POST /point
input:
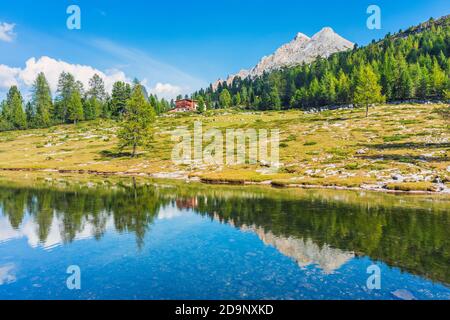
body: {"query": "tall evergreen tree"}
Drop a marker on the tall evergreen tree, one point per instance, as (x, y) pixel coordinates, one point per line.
(14, 112)
(41, 102)
(437, 80)
(121, 93)
(368, 89)
(405, 88)
(97, 88)
(5, 124)
(244, 96)
(422, 90)
(96, 99)
(92, 108)
(225, 99)
(136, 126)
(75, 107)
(66, 86)
(30, 115)
(275, 101)
(201, 105)
(237, 99)
(343, 88)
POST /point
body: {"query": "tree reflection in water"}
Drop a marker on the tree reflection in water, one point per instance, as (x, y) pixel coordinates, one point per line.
(311, 229)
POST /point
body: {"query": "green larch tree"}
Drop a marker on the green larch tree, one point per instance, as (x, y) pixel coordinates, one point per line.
(66, 86)
(14, 111)
(201, 105)
(135, 129)
(225, 99)
(41, 102)
(368, 89)
(75, 107)
(121, 93)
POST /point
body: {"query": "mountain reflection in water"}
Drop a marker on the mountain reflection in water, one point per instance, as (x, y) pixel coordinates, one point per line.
(311, 229)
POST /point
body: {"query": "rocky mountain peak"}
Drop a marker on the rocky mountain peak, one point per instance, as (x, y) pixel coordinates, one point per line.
(301, 49)
(300, 36)
(325, 32)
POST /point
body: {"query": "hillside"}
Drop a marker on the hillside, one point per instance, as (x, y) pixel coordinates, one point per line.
(399, 147)
(425, 26)
(410, 65)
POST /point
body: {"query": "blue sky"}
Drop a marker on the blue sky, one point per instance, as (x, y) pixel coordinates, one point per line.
(185, 44)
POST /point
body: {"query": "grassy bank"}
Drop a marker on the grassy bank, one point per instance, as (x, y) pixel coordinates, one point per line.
(66, 182)
(403, 147)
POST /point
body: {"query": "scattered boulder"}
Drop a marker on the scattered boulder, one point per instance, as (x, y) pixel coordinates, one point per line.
(264, 163)
(414, 178)
(397, 177)
(361, 151)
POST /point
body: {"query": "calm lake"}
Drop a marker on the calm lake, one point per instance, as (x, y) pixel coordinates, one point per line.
(153, 240)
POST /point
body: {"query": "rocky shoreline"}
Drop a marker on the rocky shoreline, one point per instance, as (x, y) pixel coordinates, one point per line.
(442, 190)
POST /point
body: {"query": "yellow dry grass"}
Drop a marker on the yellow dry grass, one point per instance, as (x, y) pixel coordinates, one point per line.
(340, 147)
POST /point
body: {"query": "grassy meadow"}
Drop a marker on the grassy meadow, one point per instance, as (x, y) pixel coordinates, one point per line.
(398, 147)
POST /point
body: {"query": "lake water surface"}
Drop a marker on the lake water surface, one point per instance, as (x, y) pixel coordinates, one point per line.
(171, 241)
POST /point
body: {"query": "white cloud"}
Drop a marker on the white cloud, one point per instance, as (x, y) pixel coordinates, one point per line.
(166, 90)
(167, 80)
(52, 69)
(7, 31)
(8, 76)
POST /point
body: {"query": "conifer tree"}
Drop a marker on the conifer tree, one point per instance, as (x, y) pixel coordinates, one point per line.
(437, 80)
(97, 88)
(275, 101)
(225, 99)
(423, 83)
(30, 115)
(92, 108)
(136, 126)
(342, 88)
(244, 96)
(66, 86)
(121, 92)
(75, 107)
(41, 102)
(368, 89)
(13, 110)
(201, 105)
(237, 99)
(95, 104)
